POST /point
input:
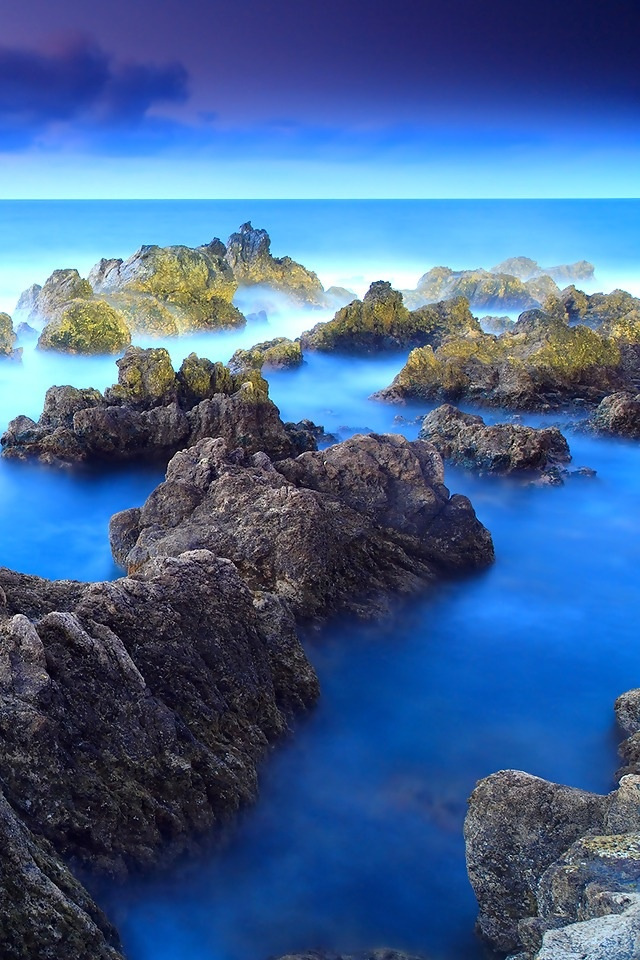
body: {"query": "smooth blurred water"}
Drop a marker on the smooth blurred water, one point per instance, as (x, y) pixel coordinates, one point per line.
(356, 840)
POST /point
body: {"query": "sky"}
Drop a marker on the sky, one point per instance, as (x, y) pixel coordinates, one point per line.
(340, 98)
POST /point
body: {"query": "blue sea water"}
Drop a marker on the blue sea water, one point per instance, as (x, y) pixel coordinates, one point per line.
(356, 839)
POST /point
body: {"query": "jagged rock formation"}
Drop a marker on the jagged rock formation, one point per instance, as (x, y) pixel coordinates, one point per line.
(152, 412)
(542, 364)
(613, 310)
(382, 322)
(526, 269)
(86, 326)
(278, 354)
(556, 869)
(501, 448)
(248, 254)
(483, 289)
(340, 528)
(8, 338)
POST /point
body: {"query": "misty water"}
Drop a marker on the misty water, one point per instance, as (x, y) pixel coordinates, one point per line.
(356, 840)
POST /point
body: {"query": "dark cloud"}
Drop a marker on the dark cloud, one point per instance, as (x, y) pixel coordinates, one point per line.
(82, 85)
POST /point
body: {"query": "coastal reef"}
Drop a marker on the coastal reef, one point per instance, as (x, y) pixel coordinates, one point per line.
(152, 412)
(381, 321)
(502, 448)
(134, 713)
(543, 363)
(513, 285)
(278, 354)
(556, 870)
(165, 291)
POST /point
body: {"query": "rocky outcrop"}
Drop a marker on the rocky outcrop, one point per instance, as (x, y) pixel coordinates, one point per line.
(278, 354)
(484, 289)
(86, 326)
(526, 269)
(598, 309)
(618, 414)
(496, 325)
(152, 412)
(248, 254)
(8, 338)
(60, 289)
(165, 290)
(502, 448)
(557, 869)
(45, 914)
(329, 530)
(542, 364)
(382, 322)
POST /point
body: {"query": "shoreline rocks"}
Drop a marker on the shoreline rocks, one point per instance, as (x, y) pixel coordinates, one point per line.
(502, 448)
(152, 412)
(542, 364)
(618, 415)
(381, 321)
(337, 529)
(556, 869)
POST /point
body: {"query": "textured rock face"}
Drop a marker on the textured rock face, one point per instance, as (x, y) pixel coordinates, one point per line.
(501, 448)
(86, 326)
(193, 285)
(599, 308)
(542, 364)
(516, 827)
(60, 289)
(249, 257)
(337, 529)
(618, 414)
(152, 412)
(7, 337)
(381, 321)
(45, 914)
(555, 869)
(278, 354)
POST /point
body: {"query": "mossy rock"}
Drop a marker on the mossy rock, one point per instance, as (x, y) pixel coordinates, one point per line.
(145, 314)
(89, 327)
(145, 377)
(7, 335)
(278, 354)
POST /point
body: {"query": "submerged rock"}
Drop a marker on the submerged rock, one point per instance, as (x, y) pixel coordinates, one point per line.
(151, 413)
(500, 448)
(336, 529)
(249, 257)
(278, 354)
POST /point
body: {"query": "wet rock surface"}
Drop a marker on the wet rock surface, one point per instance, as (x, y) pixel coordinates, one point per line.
(8, 338)
(336, 529)
(618, 414)
(151, 413)
(502, 448)
(556, 870)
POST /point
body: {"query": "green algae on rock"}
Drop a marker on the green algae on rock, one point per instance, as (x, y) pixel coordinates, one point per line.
(541, 364)
(278, 354)
(86, 326)
(381, 321)
(7, 336)
(248, 254)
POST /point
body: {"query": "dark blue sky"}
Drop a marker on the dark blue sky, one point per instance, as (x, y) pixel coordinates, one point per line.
(285, 97)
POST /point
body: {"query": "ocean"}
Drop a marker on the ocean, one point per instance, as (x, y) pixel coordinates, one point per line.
(356, 840)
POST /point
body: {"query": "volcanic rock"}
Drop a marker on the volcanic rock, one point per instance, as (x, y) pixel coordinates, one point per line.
(500, 448)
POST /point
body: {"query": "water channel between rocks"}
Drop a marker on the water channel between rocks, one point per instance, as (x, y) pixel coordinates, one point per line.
(356, 840)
